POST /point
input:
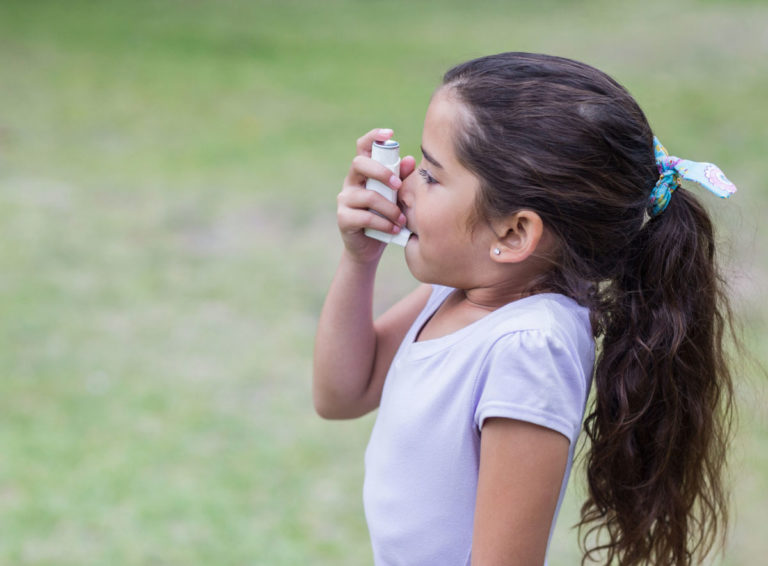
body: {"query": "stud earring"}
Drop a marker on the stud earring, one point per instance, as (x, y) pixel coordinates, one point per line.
(497, 251)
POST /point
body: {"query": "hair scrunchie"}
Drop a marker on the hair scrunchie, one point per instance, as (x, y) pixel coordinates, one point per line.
(673, 170)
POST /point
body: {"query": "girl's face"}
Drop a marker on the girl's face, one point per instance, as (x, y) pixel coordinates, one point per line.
(438, 199)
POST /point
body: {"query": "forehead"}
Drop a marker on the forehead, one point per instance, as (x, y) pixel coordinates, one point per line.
(441, 125)
(443, 109)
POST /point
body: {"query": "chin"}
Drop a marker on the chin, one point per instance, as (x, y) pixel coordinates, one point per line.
(422, 275)
(415, 266)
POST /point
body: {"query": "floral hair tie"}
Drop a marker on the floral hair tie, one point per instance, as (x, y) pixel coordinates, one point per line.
(673, 170)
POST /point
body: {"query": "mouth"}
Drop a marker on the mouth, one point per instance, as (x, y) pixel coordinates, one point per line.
(402, 238)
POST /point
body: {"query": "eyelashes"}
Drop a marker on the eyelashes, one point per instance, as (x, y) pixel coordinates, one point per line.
(429, 179)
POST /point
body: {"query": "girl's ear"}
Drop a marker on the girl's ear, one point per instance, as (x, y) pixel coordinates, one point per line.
(518, 236)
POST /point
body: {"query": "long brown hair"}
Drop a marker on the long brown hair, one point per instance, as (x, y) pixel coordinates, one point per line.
(563, 139)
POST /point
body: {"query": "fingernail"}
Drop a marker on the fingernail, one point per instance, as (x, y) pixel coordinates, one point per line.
(395, 182)
(402, 220)
(395, 229)
(385, 131)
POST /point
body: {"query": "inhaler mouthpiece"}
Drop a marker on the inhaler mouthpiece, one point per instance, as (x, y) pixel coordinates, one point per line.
(388, 154)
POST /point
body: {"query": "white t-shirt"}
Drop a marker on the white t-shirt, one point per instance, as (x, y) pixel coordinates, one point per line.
(530, 360)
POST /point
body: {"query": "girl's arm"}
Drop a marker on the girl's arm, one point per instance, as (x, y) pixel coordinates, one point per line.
(521, 470)
(352, 353)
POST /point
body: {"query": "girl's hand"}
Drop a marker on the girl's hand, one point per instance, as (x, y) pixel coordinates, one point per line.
(353, 214)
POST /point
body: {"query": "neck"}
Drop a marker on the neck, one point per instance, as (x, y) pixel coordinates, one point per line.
(490, 299)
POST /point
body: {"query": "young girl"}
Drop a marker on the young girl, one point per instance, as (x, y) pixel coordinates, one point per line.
(544, 217)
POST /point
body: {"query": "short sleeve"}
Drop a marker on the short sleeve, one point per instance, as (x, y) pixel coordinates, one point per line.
(531, 376)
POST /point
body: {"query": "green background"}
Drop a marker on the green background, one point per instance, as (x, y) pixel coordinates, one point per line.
(168, 173)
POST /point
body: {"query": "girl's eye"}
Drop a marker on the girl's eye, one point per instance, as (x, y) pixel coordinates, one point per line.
(429, 179)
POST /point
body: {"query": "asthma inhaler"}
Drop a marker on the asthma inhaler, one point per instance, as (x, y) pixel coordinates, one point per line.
(388, 154)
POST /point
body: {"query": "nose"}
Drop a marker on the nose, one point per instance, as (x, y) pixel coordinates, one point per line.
(405, 192)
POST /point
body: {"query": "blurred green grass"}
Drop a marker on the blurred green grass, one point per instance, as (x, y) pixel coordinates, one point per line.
(167, 180)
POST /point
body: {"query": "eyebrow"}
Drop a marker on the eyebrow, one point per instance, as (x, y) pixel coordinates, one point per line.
(429, 158)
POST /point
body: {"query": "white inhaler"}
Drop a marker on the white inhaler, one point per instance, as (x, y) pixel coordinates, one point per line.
(388, 154)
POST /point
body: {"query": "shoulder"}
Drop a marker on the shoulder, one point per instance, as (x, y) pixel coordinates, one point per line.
(552, 317)
(538, 364)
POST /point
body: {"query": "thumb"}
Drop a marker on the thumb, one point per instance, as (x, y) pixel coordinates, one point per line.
(407, 165)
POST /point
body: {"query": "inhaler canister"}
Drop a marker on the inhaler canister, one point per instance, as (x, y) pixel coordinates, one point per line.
(388, 154)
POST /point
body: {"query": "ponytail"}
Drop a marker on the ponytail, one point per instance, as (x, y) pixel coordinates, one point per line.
(661, 419)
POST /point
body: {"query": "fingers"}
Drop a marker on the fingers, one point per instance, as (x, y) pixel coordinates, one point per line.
(366, 168)
(368, 209)
(359, 208)
(353, 220)
(365, 142)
